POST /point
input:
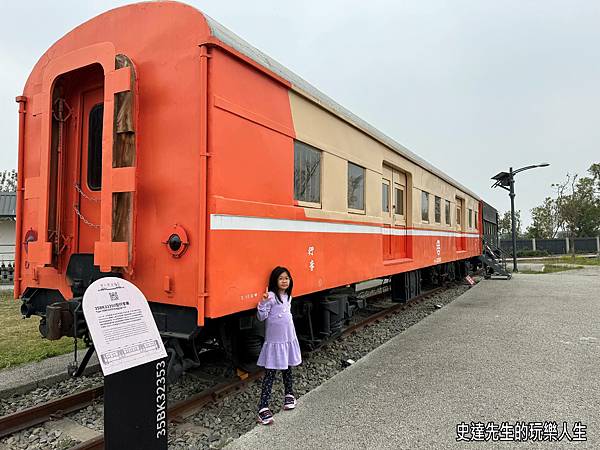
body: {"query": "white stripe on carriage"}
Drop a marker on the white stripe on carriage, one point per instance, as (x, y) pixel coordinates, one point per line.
(248, 223)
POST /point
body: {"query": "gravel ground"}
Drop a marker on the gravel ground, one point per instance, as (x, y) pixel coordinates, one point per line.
(46, 393)
(222, 422)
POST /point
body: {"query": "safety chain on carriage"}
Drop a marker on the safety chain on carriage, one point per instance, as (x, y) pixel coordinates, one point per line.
(78, 212)
(81, 216)
(78, 189)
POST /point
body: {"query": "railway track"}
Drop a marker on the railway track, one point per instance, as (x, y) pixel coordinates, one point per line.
(177, 412)
(55, 409)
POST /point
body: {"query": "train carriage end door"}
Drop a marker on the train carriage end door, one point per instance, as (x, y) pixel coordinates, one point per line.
(89, 184)
(54, 187)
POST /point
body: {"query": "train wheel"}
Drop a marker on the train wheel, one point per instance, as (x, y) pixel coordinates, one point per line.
(242, 346)
(451, 272)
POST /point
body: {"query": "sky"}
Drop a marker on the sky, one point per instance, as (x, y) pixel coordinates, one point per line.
(472, 86)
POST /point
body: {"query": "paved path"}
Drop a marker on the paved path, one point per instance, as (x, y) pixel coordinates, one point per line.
(527, 349)
(25, 377)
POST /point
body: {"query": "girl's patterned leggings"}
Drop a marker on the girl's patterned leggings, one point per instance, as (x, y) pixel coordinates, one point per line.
(267, 385)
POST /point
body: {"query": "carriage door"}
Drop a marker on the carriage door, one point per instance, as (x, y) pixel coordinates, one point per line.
(460, 224)
(386, 212)
(399, 209)
(89, 185)
(86, 110)
(393, 197)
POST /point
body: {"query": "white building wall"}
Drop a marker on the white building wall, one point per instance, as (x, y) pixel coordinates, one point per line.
(7, 240)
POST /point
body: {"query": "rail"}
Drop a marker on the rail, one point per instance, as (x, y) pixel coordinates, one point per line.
(11, 423)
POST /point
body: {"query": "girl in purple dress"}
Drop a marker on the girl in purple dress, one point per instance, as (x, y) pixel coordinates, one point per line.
(280, 350)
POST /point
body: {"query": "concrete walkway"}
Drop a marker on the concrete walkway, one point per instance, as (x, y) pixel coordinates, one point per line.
(25, 377)
(527, 350)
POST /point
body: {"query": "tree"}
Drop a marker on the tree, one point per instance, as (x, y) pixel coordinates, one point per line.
(547, 220)
(505, 225)
(8, 180)
(594, 171)
(580, 208)
(578, 200)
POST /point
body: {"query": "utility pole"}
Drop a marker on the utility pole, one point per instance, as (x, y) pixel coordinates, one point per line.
(513, 218)
(506, 181)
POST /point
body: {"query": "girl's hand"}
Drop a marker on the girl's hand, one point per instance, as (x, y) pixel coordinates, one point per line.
(265, 296)
(264, 308)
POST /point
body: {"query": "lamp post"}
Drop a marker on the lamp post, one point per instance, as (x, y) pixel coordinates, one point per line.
(506, 180)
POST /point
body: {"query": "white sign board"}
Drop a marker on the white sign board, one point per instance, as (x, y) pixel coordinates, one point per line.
(121, 325)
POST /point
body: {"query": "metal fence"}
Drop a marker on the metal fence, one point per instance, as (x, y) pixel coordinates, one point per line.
(560, 246)
(7, 273)
(552, 246)
(522, 244)
(7, 263)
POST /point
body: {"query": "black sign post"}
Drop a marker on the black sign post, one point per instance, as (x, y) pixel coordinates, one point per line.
(134, 363)
(135, 408)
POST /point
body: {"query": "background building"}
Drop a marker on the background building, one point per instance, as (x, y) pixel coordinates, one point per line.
(8, 201)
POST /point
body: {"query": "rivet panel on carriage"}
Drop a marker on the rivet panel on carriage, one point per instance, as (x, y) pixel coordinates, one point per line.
(157, 146)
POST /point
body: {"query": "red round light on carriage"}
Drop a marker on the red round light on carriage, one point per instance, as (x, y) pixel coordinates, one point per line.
(176, 240)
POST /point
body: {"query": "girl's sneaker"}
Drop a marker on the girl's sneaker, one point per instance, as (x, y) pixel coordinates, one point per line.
(289, 402)
(265, 416)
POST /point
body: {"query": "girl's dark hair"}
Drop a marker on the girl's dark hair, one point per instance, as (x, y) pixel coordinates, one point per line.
(273, 282)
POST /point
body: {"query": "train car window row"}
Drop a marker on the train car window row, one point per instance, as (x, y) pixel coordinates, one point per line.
(307, 173)
(356, 187)
(307, 188)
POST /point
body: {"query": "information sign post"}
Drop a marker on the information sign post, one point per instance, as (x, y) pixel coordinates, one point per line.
(134, 362)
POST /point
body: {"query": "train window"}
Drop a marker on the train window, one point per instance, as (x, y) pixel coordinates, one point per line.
(438, 209)
(356, 187)
(399, 201)
(385, 196)
(470, 218)
(447, 212)
(458, 215)
(307, 173)
(94, 162)
(476, 219)
(424, 206)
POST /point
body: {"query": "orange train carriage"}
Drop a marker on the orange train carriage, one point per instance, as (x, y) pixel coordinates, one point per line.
(157, 146)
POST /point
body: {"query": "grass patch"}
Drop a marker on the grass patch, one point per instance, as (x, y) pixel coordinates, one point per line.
(580, 260)
(551, 268)
(20, 339)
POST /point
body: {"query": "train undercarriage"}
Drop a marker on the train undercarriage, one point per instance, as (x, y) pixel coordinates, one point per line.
(318, 316)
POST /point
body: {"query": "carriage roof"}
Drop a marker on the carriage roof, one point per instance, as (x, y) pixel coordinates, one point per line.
(303, 87)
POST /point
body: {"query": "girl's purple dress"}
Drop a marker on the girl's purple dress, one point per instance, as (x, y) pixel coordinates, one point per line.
(281, 348)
